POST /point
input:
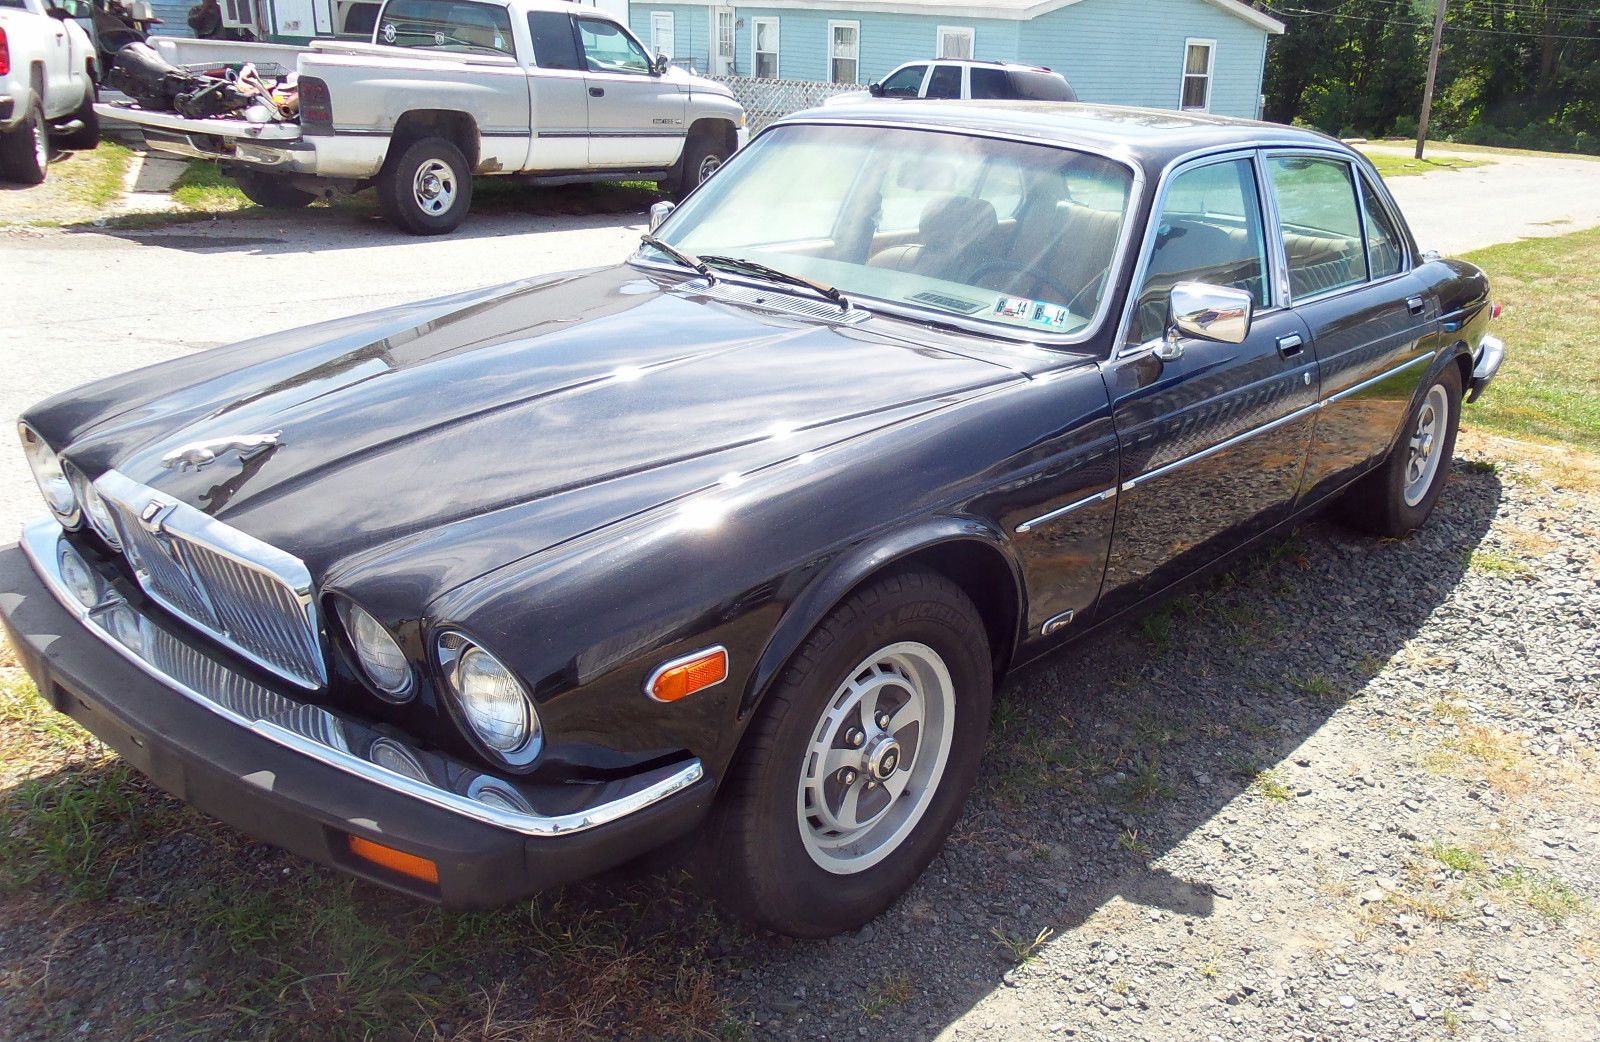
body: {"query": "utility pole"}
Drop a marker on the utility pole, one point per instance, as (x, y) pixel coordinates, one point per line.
(1433, 73)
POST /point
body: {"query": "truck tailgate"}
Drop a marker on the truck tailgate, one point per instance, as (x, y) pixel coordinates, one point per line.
(224, 128)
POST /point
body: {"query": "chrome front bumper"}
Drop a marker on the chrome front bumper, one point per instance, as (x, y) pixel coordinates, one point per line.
(349, 745)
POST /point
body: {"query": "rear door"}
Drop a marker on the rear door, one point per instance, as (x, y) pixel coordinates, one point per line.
(945, 81)
(636, 118)
(1214, 443)
(1370, 319)
(558, 94)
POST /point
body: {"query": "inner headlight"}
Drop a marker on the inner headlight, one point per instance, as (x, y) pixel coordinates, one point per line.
(379, 653)
(80, 579)
(94, 508)
(52, 479)
(496, 708)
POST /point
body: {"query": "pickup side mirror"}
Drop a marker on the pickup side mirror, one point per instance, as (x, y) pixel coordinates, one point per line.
(875, 89)
(1206, 312)
(660, 65)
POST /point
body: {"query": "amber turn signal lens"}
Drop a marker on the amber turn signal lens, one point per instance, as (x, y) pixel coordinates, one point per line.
(682, 677)
(395, 860)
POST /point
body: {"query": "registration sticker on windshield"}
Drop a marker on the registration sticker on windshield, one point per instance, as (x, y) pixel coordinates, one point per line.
(1039, 312)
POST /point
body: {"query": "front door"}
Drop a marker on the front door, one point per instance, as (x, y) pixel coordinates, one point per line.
(636, 118)
(1371, 319)
(558, 94)
(722, 41)
(1213, 443)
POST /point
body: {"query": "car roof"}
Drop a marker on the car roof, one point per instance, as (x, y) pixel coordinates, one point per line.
(1153, 138)
(993, 63)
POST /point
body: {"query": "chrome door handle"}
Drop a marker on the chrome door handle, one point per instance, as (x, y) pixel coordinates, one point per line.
(1414, 305)
(1291, 345)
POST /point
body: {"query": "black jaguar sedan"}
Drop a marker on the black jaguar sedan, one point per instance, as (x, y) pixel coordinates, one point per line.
(736, 538)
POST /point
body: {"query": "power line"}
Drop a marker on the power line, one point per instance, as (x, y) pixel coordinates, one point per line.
(1291, 12)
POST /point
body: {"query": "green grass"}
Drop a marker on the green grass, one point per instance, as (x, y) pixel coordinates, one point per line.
(80, 187)
(1546, 895)
(204, 188)
(1439, 145)
(1549, 387)
(1269, 786)
(1455, 858)
(1493, 562)
(1390, 165)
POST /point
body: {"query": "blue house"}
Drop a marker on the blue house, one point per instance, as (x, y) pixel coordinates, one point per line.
(1194, 54)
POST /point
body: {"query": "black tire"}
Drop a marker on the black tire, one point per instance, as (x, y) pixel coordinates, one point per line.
(272, 191)
(87, 136)
(1377, 502)
(398, 192)
(753, 857)
(701, 158)
(25, 149)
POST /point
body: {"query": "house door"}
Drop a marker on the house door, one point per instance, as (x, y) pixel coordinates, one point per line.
(722, 41)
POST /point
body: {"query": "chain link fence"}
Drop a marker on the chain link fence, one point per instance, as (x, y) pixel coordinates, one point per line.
(768, 100)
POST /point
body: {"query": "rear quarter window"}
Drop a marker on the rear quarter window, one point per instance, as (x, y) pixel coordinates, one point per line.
(1031, 85)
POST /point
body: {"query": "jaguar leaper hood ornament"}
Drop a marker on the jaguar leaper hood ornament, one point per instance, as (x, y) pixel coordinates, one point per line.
(199, 454)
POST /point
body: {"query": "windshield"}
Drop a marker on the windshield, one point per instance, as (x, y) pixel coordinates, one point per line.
(1014, 234)
(447, 25)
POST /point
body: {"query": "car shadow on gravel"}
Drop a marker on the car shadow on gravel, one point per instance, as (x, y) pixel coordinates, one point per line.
(124, 910)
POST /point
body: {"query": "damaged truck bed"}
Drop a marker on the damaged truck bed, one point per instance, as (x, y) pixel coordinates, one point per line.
(447, 89)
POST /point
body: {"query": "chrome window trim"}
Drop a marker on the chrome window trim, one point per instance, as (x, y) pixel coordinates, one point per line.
(1181, 165)
(999, 332)
(39, 542)
(1354, 167)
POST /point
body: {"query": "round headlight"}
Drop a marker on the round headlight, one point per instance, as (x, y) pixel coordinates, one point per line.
(495, 706)
(52, 479)
(378, 652)
(94, 508)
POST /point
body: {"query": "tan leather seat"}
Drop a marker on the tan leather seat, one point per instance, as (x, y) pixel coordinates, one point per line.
(1322, 262)
(957, 235)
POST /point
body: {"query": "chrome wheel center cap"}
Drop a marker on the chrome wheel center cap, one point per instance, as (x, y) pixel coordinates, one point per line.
(430, 186)
(882, 757)
(1427, 446)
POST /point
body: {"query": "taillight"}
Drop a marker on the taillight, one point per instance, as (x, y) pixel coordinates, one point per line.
(1495, 310)
(316, 106)
(5, 55)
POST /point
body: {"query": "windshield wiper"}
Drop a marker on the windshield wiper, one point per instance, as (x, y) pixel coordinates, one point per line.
(688, 260)
(766, 271)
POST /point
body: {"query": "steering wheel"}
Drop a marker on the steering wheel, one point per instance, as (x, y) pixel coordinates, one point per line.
(1062, 292)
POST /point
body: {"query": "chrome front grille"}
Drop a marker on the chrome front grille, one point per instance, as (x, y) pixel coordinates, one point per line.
(247, 594)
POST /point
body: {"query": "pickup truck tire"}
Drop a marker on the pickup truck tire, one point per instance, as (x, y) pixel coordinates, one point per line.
(905, 659)
(87, 134)
(25, 149)
(275, 193)
(701, 157)
(427, 189)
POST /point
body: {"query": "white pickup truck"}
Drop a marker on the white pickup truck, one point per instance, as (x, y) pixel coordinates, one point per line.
(47, 74)
(546, 89)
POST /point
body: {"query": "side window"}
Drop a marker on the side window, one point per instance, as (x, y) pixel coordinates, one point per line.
(606, 48)
(945, 82)
(989, 83)
(1321, 225)
(1385, 255)
(554, 45)
(1209, 231)
(905, 83)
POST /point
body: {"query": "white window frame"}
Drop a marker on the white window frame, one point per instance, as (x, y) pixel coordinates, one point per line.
(955, 30)
(723, 64)
(776, 52)
(832, 57)
(658, 19)
(1184, 75)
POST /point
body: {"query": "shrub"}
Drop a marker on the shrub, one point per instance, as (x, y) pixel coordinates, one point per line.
(1404, 126)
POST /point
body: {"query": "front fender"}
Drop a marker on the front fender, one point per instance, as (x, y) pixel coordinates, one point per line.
(849, 570)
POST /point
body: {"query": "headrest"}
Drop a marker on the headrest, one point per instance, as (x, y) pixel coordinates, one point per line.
(958, 219)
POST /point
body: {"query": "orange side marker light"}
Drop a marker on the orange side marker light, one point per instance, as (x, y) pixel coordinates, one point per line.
(395, 860)
(682, 677)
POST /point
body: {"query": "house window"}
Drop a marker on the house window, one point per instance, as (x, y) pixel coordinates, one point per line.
(955, 41)
(844, 51)
(661, 33)
(1199, 59)
(765, 32)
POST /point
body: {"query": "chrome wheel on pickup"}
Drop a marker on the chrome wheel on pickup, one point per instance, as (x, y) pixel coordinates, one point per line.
(427, 188)
(858, 761)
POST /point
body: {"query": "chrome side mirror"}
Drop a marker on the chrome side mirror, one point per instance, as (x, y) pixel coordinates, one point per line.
(660, 212)
(1205, 312)
(660, 64)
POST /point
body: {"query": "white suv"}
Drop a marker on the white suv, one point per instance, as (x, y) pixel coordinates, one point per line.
(950, 78)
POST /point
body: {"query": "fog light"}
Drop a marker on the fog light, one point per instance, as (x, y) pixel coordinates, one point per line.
(379, 653)
(497, 709)
(53, 483)
(126, 625)
(81, 580)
